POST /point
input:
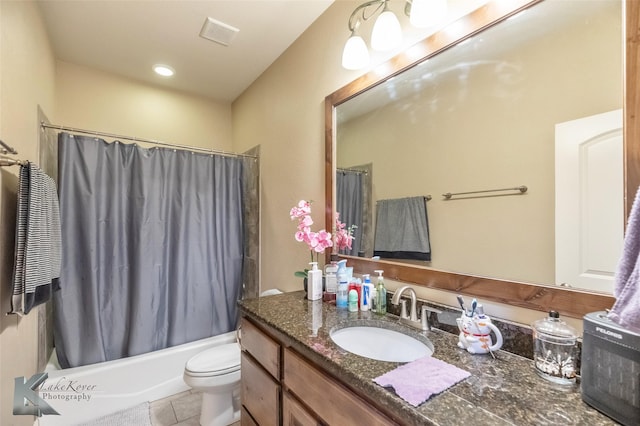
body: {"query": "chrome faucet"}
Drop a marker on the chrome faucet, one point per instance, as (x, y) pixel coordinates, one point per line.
(412, 318)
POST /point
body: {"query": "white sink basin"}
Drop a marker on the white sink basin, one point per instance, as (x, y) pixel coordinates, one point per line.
(381, 344)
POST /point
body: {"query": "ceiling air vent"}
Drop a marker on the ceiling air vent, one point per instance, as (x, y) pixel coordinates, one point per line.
(218, 31)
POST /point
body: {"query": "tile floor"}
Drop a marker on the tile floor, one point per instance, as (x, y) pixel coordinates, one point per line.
(182, 409)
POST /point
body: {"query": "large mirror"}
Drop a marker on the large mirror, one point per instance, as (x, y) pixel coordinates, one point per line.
(483, 110)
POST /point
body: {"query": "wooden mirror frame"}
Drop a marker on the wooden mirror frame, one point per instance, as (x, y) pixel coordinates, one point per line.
(570, 302)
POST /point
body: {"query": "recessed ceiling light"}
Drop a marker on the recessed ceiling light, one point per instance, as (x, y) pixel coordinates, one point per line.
(163, 70)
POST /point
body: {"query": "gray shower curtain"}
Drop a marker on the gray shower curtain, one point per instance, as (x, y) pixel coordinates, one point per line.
(349, 203)
(152, 248)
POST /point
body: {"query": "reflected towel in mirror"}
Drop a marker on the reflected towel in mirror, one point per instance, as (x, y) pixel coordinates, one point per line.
(402, 229)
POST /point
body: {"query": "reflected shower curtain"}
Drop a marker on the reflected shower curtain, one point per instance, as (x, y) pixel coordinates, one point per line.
(152, 248)
(349, 203)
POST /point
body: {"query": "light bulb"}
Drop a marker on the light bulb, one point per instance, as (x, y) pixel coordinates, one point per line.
(426, 13)
(355, 54)
(387, 32)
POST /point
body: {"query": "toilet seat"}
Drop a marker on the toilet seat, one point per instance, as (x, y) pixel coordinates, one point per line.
(217, 361)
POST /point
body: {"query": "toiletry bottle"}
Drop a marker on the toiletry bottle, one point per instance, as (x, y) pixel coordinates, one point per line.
(381, 295)
(343, 285)
(315, 282)
(365, 297)
(331, 278)
(353, 301)
(355, 284)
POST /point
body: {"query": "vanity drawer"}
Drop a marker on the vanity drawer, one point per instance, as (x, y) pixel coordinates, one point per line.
(294, 414)
(246, 419)
(264, 349)
(260, 393)
(332, 402)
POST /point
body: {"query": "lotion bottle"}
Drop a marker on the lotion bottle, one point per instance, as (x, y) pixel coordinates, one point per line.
(343, 285)
(365, 296)
(315, 282)
(381, 295)
(330, 272)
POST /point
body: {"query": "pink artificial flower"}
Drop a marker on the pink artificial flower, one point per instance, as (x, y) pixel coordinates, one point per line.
(316, 241)
(305, 222)
(302, 209)
(324, 241)
(344, 237)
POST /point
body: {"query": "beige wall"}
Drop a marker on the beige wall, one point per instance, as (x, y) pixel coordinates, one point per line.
(283, 110)
(80, 97)
(94, 100)
(471, 128)
(27, 70)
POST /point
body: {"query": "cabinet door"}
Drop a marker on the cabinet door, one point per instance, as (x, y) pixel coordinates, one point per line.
(260, 392)
(246, 419)
(294, 414)
(261, 347)
(331, 401)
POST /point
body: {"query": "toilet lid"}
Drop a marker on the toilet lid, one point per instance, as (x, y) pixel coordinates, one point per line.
(222, 359)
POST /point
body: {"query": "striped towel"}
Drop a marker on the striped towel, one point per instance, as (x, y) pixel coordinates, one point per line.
(38, 243)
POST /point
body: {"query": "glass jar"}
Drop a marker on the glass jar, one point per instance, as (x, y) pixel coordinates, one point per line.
(555, 349)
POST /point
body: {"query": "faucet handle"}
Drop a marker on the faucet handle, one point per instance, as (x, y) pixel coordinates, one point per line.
(424, 316)
(403, 309)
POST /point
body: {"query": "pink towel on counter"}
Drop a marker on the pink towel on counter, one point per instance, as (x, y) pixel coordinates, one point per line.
(626, 310)
(417, 381)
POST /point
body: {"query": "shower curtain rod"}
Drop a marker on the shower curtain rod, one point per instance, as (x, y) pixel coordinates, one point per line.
(360, 171)
(134, 139)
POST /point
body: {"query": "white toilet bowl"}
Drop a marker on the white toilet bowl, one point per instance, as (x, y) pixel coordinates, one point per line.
(216, 372)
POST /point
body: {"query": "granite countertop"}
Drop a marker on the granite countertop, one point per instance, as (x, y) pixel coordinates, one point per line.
(501, 391)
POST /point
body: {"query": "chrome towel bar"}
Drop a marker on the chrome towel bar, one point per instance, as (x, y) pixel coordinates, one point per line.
(520, 188)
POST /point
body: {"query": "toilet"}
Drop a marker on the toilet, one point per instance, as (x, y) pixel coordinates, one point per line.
(216, 372)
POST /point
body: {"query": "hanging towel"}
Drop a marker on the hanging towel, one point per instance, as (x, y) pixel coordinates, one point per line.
(626, 310)
(402, 229)
(38, 243)
(418, 380)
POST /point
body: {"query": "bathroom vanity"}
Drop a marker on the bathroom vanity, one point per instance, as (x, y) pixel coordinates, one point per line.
(294, 374)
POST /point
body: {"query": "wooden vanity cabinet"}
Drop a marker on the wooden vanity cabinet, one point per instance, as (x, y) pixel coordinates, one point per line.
(282, 387)
(333, 402)
(260, 377)
(294, 414)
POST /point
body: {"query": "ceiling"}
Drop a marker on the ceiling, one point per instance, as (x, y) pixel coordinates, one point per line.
(127, 37)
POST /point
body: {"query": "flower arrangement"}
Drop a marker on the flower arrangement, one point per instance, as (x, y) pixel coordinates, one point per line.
(344, 235)
(317, 242)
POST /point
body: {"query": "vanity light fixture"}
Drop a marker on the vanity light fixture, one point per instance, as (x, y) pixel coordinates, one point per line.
(163, 70)
(387, 32)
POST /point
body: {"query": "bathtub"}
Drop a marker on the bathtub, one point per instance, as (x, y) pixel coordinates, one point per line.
(84, 393)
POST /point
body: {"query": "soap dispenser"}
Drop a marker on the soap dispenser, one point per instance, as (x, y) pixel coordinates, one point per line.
(555, 349)
(315, 282)
(381, 294)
